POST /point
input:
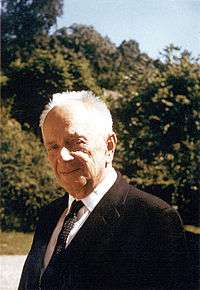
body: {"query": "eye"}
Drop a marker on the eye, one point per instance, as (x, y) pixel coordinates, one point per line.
(79, 141)
(78, 145)
(74, 143)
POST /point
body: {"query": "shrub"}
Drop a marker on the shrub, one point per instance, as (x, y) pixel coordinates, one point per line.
(159, 127)
(26, 180)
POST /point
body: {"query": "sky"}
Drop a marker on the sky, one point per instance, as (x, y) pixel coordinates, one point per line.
(154, 24)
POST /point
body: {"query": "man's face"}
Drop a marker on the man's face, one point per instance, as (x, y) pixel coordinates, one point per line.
(64, 129)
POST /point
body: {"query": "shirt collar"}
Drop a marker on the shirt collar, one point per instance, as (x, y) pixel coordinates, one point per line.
(91, 200)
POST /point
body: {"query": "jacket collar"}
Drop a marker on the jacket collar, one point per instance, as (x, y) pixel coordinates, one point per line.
(101, 220)
(92, 199)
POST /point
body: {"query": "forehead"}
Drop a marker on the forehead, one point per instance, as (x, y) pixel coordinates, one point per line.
(76, 119)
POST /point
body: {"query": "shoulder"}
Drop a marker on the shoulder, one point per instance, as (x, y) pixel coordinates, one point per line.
(56, 203)
(147, 207)
(48, 217)
(54, 208)
(144, 199)
(132, 196)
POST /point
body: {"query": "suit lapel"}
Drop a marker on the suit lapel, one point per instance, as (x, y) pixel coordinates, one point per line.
(100, 221)
(97, 227)
(50, 222)
(43, 233)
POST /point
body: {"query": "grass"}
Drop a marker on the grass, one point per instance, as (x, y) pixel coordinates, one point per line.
(192, 229)
(13, 243)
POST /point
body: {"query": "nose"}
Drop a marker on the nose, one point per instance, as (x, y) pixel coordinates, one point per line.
(65, 154)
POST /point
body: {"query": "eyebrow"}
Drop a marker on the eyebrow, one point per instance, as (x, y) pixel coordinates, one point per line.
(50, 143)
(72, 136)
(75, 137)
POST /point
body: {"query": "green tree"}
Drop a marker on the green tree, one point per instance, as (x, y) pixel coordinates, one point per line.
(31, 83)
(100, 51)
(46, 72)
(24, 23)
(132, 66)
(159, 127)
(27, 183)
(81, 73)
(130, 54)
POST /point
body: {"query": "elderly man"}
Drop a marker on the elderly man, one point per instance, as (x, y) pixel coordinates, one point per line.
(104, 233)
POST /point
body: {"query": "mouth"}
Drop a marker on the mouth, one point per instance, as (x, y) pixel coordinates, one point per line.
(68, 172)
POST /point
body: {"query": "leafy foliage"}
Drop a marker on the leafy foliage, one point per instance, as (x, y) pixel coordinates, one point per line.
(155, 104)
(159, 125)
(109, 63)
(98, 50)
(45, 73)
(26, 180)
(23, 23)
(32, 82)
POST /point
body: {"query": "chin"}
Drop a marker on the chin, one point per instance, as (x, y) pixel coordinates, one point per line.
(78, 189)
(78, 194)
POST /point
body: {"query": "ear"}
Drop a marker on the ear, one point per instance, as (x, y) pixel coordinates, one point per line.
(111, 144)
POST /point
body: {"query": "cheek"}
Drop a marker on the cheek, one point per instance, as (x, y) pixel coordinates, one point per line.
(97, 161)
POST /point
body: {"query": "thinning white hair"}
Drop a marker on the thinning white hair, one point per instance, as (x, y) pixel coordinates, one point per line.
(100, 114)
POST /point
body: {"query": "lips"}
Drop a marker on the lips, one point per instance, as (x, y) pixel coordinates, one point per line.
(68, 172)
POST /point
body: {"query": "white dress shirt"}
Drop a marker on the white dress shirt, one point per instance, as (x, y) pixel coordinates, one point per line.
(90, 202)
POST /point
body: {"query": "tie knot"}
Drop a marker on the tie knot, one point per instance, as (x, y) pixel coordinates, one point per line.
(75, 206)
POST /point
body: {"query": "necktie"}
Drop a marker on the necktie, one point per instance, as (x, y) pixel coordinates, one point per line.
(57, 261)
(68, 224)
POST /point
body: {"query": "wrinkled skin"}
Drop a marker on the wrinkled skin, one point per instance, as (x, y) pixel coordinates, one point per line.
(91, 153)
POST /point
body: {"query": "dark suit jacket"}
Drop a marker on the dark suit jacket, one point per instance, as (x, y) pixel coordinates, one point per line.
(132, 240)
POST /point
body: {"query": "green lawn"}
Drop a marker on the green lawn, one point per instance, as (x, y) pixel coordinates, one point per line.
(192, 229)
(13, 243)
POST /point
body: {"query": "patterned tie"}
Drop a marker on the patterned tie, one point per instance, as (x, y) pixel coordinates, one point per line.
(57, 262)
(68, 224)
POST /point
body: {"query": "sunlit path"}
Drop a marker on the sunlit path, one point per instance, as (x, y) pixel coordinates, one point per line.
(10, 271)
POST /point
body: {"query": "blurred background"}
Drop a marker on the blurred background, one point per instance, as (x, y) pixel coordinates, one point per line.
(143, 59)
